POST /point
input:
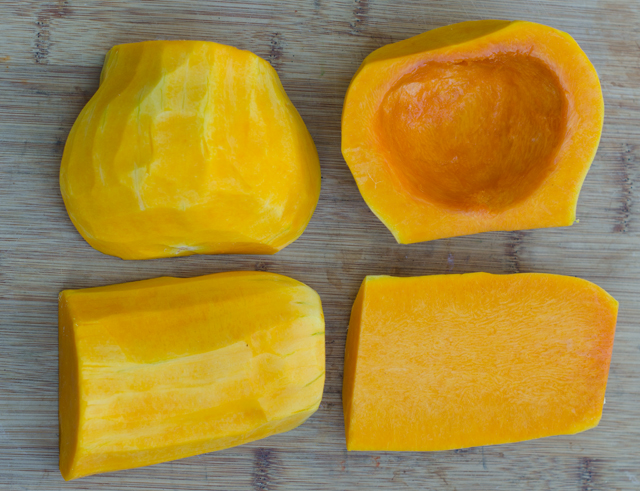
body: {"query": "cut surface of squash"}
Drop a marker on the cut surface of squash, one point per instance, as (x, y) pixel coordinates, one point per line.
(189, 147)
(453, 361)
(167, 368)
(478, 126)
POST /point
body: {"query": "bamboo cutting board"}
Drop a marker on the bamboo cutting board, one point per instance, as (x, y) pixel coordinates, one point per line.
(51, 54)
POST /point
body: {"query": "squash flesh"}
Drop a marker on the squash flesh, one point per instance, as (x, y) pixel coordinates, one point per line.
(455, 361)
(189, 147)
(475, 127)
(167, 368)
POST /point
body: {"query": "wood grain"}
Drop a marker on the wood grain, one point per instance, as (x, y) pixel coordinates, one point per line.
(51, 54)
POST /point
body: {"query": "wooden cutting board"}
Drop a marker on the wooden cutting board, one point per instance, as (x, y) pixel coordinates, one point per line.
(51, 54)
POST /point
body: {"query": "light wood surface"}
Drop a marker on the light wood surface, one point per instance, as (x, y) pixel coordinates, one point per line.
(50, 59)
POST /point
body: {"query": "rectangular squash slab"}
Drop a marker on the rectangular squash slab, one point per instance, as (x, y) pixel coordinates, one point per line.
(166, 368)
(454, 361)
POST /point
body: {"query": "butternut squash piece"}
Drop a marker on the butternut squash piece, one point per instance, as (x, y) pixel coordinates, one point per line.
(473, 127)
(162, 369)
(189, 147)
(454, 361)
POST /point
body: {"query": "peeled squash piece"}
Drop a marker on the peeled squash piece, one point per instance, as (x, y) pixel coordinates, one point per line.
(478, 126)
(453, 361)
(162, 369)
(189, 147)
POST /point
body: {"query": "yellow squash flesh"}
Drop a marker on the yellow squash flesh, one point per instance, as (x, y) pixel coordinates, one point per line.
(162, 369)
(189, 147)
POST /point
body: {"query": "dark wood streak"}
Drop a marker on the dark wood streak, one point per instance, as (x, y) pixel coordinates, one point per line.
(627, 160)
(262, 266)
(263, 460)
(513, 249)
(587, 474)
(276, 49)
(360, 12)
(45, 15)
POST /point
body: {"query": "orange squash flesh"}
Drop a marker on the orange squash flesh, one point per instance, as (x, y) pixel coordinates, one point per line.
(162, 369)
(454, 361)
(189, 147)
(474, 127)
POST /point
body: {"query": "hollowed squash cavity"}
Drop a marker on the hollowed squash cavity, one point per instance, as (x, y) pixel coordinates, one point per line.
(476, 133)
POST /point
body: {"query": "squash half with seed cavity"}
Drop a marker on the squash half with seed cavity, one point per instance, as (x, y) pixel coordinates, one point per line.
(166, 368)
(478, 126)
(189, 147)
